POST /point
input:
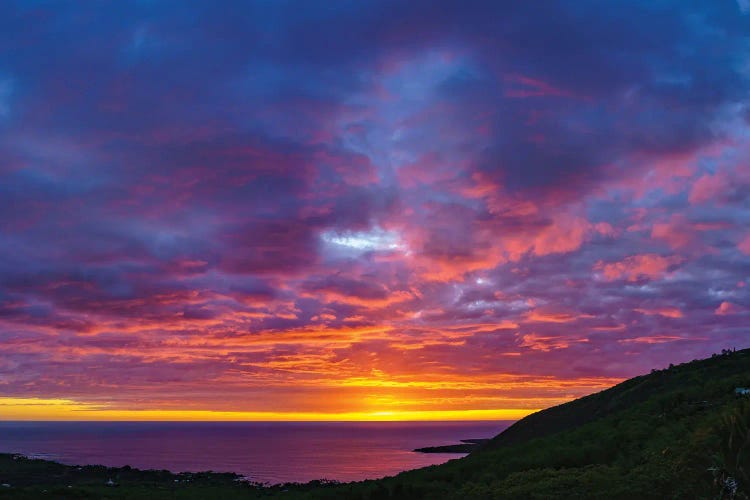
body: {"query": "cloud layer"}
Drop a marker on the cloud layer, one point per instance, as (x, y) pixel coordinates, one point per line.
(367, 207)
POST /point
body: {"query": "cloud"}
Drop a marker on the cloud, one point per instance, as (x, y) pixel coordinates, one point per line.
(369, 205)
(668, 312)
(744, 245)
(728, 308)
(636, 267)
(547, 343)
(708, 188)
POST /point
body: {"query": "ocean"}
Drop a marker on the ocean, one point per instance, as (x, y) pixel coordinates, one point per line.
(269, 452)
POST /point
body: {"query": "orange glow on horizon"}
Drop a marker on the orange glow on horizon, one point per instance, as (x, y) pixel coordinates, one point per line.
(31, 409)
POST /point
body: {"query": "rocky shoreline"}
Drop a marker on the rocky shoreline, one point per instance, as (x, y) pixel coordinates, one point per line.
(466, 446)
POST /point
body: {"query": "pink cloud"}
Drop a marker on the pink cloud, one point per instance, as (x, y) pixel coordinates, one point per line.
(676, 232)
(708, 188)
(727, 308)
(667, 312)
(635, 267)
(744, 245)
(565, 234)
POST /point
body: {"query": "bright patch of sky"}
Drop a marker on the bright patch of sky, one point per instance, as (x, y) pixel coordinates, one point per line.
(376, 239)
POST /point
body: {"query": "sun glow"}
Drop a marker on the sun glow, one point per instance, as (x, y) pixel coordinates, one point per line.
(68, 410)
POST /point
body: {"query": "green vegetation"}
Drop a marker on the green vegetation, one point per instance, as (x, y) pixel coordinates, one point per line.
(681, 432)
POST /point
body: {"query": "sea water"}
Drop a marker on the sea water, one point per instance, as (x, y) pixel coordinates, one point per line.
(270, 452)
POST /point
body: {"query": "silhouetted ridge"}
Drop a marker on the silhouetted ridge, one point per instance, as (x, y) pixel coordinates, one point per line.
(688, 379)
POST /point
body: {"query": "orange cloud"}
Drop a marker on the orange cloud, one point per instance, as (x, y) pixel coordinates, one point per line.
(541, 316)
(548, 343)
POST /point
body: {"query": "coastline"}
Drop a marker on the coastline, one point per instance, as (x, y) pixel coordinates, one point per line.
(34, 477)
(271, 453)
(466, 446)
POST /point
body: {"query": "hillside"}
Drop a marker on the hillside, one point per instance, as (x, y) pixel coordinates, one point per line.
(680, 432)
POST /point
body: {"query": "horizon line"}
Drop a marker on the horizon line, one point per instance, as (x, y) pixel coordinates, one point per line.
(2, 421)
(64, 410)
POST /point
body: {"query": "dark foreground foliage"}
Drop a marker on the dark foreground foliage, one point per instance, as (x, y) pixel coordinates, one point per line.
(681, 432)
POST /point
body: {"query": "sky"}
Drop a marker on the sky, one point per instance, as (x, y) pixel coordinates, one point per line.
(335, 210)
